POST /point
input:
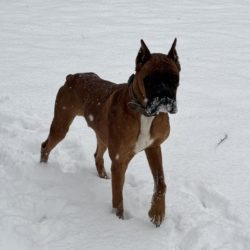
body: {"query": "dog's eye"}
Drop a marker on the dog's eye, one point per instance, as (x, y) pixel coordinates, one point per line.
(161, 80)
(153, 80)
(148, 80)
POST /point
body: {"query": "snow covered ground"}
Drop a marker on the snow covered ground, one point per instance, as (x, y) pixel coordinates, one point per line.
(64, 206)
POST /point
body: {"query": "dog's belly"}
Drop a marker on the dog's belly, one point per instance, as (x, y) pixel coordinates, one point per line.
(144, 139)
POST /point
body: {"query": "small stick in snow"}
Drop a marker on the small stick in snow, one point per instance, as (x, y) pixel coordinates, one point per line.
(222, 140)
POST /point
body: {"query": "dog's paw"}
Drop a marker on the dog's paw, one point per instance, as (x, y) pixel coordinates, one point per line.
(44, 158)
(156, 217)
(118, 212)
(44, 154)
(103, 175)
(157, 212)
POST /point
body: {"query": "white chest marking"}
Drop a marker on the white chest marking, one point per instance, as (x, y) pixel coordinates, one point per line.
(144, 138)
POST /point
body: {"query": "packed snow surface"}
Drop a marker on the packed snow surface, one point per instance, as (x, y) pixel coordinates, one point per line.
(64, 205)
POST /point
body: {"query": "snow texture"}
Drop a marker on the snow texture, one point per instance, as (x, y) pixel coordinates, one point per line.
(63, 205)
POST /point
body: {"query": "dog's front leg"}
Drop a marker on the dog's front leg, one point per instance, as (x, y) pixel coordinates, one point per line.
(157, 210)
(118, 169)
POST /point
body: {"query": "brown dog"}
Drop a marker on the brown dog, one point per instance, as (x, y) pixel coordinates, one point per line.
(127, 118)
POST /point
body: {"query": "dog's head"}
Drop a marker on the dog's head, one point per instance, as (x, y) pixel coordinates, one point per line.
(156, 80)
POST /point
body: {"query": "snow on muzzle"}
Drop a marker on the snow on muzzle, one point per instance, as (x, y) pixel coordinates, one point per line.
(164, 104)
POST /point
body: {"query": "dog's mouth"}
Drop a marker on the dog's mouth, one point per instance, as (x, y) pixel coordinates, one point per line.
(164, 105)
(155, 106)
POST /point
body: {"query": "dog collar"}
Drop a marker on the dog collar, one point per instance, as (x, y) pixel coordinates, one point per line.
(135, 104)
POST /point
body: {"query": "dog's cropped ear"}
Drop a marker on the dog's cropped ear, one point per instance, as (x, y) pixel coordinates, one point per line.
(142, 57)
(173, 54)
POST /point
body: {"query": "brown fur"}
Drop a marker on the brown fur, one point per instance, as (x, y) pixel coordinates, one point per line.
(105, 108)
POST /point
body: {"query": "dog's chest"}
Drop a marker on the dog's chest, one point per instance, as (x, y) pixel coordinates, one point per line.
(144, 139)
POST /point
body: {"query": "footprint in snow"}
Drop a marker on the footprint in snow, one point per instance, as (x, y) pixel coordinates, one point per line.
(212, 200)
(214, 226)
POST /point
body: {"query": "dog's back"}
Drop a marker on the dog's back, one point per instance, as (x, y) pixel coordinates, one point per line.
(89, 90)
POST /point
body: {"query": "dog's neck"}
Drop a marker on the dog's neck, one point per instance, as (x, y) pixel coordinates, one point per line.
(134, 103)
(132, 93)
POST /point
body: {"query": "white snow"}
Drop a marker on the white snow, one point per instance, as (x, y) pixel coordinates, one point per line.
(63, 205)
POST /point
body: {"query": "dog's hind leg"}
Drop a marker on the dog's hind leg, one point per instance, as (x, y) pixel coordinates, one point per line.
(58, 130)
(99, 162)
(64, 114)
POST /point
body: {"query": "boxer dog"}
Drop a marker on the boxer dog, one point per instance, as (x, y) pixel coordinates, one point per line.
(127, 118)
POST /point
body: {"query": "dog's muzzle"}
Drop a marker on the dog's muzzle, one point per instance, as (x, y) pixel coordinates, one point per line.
(164, 104)
(155, 106)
